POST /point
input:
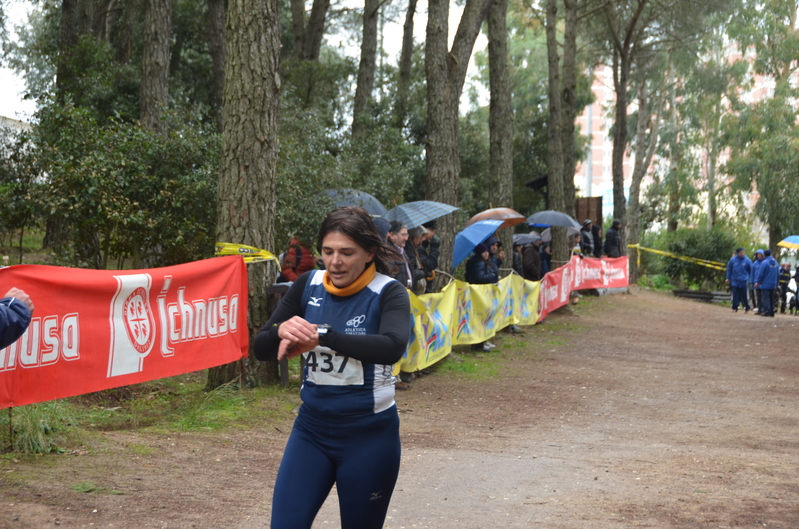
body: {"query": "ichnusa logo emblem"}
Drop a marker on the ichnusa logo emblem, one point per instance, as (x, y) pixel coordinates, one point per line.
(315, 302)
(356, 321)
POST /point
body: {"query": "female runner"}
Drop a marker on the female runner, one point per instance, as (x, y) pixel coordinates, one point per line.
(351, 324)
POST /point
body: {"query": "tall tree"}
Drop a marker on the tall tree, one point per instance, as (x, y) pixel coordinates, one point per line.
(308, 35)
(446, 73)
(246, 191)
(405, 63)
(216, 41)
(500, 117)
(366, 69)
(154, 93)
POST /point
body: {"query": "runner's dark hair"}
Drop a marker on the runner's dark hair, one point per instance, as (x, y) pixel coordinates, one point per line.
(355, 223)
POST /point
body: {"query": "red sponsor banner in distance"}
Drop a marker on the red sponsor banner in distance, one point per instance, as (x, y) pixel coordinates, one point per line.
(101, 329)
(578, 274)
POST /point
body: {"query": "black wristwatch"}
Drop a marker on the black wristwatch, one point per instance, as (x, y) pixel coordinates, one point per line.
(322, 334)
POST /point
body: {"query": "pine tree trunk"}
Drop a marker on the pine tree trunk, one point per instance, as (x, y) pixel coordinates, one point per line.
(555, 156)
(315, 30)
(154, 93)
(621, 79)
(366, 70)
(298, 28)
(500, 119)
(446, 73)
(569, 102)
(122, 38)
(246, 191)
(216, 41)
(405, 63)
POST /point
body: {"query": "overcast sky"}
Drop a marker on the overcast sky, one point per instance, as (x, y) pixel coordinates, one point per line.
(13, 87)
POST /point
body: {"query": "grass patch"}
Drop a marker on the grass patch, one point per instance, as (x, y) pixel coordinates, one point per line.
(90, 487)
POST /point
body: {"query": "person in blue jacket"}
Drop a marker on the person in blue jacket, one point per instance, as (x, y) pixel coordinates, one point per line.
(16, 309)
(755, 292)
(482, 270)
(738, 271)
(768, 273)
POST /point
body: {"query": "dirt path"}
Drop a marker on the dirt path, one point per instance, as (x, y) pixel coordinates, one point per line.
(639, 410)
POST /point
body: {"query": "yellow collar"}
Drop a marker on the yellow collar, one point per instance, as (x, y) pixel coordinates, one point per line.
(354, 287)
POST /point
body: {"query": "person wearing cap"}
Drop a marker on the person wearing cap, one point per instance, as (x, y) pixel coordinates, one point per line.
(587, 239)
(739, 269)
(768, 273)
(754, 290)
(612, 246)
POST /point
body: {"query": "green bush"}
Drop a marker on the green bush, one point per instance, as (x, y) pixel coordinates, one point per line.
(716, 244)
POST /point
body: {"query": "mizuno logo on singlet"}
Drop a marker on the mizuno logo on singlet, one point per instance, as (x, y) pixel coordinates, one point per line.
(315, 301)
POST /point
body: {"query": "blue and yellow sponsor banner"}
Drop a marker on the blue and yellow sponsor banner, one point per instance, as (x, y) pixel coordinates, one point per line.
(464, 314)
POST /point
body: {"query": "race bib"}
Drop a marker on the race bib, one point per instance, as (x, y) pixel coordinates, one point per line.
(328, 368)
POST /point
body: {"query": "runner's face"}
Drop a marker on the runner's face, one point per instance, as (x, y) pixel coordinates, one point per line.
(344, 260)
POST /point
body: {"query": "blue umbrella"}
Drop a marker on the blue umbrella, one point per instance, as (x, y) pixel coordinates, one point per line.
(353, 197)
(552, 218)
(471, 236)
(792, 241)
(413, 214)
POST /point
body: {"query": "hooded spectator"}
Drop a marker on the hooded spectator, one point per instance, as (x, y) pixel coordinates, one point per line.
(756, 291)
(596, 232)
(766, 278)
(296, 261)
(481, 270)
(612, 246)
(531, 261)
(587, 239)
(739, 269)
(428, 253)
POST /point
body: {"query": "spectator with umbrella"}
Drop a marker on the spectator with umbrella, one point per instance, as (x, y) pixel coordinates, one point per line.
(481, 270)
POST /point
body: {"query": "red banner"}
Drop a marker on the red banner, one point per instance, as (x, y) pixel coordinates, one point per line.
(580, 273)
(101, 329)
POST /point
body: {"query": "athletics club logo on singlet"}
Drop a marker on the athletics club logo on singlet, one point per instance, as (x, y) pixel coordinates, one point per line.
(132, 325)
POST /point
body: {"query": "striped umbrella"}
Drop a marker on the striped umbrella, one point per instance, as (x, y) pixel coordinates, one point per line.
(413, 214)
(508, 216)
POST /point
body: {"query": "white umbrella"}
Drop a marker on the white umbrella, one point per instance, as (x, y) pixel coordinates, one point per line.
(546, 235)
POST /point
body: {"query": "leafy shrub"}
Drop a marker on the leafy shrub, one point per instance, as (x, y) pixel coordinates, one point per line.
(716, 244)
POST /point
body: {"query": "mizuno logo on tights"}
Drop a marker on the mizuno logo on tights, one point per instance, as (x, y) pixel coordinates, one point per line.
(376, 495)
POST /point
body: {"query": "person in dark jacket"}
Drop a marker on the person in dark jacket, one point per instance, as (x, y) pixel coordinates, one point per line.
(612, 246)
(495, 251)
(755, 292)
(784, 285)
(587, 239)
(546, 259)
(398, 236)
(531, 262)
(429, 252)
(768, 274)
(739, 269)
(481, 270)
(418, 272)
(16, 309)
(596, 232)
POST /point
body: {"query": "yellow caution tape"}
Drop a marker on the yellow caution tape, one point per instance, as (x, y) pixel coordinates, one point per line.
(695, 260)
(250, 253)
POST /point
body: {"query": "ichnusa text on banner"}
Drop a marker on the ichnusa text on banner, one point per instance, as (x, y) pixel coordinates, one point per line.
(101, 329)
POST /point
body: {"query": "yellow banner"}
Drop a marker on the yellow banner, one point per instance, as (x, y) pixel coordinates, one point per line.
(250, 253)
(695, 260)
(466, 314)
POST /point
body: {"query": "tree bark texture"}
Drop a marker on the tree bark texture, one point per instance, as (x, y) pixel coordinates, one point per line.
(216, 41)
(500, 118)
(569, 101)
(298, 27)
(122, 38)
(643, 159)
(555, 156)
(446, 73)
(366, 69)
(315, 30)
(405, 63)
(154, 93)
(246, 203)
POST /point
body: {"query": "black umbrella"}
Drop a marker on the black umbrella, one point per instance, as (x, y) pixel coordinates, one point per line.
(552, 218)
(353, 197)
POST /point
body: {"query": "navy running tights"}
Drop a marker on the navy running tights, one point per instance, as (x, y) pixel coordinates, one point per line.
(361, 457)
